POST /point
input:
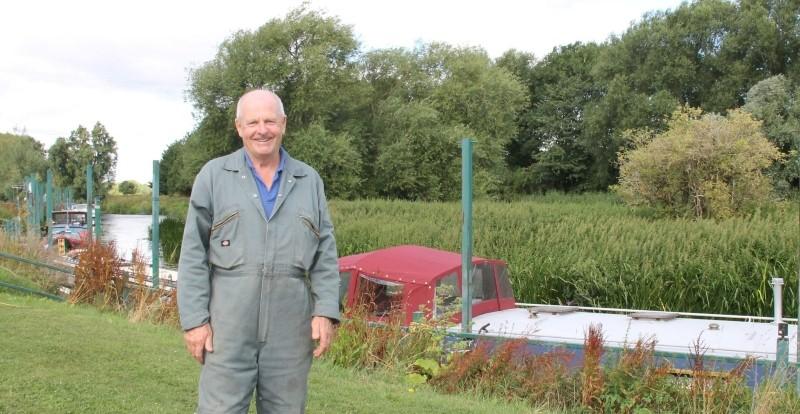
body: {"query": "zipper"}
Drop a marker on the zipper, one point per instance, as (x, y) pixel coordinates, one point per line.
(224, 221)
(310, 225)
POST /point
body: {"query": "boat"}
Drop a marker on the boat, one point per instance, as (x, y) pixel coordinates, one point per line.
(70, 226)
(423, 282)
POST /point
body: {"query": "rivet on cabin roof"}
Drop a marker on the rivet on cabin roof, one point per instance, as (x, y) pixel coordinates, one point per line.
(713, 326)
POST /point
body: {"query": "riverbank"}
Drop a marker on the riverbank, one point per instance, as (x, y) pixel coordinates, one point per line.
(67, 358)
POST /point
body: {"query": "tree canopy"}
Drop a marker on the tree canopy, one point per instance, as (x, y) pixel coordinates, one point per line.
(20, 156)
(68, 158)
(387, 122)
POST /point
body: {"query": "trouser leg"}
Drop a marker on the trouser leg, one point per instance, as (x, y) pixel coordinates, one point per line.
(284, 359)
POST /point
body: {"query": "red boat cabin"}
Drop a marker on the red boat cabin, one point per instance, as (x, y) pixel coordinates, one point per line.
(412, 278)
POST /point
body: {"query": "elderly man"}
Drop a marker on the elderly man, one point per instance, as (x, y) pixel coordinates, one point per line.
(258, 278)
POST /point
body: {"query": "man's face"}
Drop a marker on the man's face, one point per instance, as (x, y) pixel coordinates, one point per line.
(260, 125)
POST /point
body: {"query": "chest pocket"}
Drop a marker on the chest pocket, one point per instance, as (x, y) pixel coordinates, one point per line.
(226, 245)
(306, 239)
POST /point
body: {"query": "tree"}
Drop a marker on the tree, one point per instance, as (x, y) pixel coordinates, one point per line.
(561, 87)
(702, 165)
(334, 156)
(20, 156)
(777, 104)
(68, 157)
(127, 187)
(307, 58)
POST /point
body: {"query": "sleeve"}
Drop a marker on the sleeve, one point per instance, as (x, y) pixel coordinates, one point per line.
(324, 272)
(194, 274)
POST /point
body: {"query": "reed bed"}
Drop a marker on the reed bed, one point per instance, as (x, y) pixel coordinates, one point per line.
(592, 250)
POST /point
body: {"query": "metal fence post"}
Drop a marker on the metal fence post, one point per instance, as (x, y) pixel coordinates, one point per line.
(154, 252)
(90, 199)
(466, 236)
(49, 215)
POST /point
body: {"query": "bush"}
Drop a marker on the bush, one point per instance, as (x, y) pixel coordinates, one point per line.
(127, 187)
(703, 166)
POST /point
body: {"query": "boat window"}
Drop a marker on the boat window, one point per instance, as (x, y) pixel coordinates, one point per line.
(503, 281)
(483, 287)
(344, 284)
(447, 295)
(381, 297)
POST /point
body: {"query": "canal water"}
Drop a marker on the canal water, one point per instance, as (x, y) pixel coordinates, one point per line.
(128, 232)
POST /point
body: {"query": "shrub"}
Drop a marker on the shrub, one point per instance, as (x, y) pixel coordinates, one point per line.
(127, 187)
(98, 276)
(703, 166)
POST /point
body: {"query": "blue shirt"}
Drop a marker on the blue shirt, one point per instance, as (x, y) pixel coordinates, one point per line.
(268, 197)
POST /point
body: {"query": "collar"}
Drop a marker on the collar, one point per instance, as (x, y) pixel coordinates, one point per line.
(235, 162)
(281, 164)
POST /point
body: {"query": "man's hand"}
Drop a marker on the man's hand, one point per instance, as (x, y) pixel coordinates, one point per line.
(199, 341)
(322, 331)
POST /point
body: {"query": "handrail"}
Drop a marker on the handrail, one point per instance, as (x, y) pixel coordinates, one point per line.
(32, 291)
(35, 263)
(688, 314)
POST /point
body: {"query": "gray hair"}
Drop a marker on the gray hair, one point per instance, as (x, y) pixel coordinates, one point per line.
(281, 112)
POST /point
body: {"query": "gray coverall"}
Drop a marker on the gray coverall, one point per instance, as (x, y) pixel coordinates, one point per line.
(257, 281)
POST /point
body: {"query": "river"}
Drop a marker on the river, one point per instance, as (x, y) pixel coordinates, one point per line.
(128, 232)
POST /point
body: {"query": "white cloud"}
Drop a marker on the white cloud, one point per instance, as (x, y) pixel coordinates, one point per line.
(126, 64)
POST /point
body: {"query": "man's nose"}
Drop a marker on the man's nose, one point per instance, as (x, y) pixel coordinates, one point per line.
(262, 128)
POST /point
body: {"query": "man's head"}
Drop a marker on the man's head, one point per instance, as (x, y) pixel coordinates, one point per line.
(261, 122)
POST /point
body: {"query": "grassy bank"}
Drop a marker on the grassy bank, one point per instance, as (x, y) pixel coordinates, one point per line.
(593, 250)
(59, 358)
(171, 206)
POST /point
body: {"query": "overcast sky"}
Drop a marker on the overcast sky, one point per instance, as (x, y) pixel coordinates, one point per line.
(125, 64)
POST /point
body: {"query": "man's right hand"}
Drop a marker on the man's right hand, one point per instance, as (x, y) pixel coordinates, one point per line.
(199, 341)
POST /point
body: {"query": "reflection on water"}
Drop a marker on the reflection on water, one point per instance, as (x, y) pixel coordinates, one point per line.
(129, 232)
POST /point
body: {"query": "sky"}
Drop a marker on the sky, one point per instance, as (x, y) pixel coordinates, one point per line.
(126, 64)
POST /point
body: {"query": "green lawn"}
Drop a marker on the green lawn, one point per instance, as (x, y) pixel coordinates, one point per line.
(60, 358)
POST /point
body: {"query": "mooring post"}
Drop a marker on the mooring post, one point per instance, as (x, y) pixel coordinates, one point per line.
(49, 217)
(154, 248)
(98, 223)
(90, 199)
(466, 236)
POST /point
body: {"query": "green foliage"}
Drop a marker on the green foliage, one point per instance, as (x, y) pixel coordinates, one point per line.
(68, 158)
(393, 117)
(334, 156)
(170, 206)
(170, 236)
(703, 166)
(776, 103)
(127, 187)
(20, 156)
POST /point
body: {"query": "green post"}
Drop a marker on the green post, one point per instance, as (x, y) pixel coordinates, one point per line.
(98, 223)
(155, 227)
(466, 235)
(49, 216)
(89, 198)
(29, 202)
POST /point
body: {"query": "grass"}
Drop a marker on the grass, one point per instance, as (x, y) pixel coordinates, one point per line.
(170, 206)
(76, 359)
(593, 250)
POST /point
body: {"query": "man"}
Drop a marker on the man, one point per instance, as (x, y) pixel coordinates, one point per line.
(258, 276)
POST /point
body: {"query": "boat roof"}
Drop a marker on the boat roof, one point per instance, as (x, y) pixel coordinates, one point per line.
(407, 264)
(678, 335)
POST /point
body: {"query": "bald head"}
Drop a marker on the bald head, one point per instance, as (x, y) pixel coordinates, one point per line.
(259, 94)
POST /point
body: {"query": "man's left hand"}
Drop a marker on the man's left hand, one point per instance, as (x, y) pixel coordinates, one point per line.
(322, 331)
